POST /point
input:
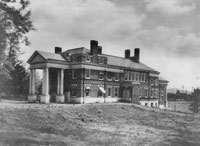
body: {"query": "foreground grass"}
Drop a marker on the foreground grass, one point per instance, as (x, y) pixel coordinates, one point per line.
(96, 125)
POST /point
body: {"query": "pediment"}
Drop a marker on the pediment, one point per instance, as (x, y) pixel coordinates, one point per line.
(36, 58)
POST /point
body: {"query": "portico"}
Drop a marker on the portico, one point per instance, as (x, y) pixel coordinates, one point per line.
(39, 60)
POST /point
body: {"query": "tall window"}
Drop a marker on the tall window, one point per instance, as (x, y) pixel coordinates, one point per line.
(151, 93)
(146, 93)
(87, 73)
(116, 76)
(142, 77)
(109, 91)
(126, 75)
(109, 76)
(133, 76)
(156, 82)
(129, 75)
(73, 92)
(101, 75)
(116, 91)
(136, 76)
(73, 74)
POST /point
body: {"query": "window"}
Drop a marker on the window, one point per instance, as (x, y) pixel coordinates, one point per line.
(129, 76)
(152, 81)
(101, 76)
(116, 91)
(151, 93)
(136, 76)
(156, 82)
(109, 91)
(73, 92)
(125, 75)
(140, 77)
(87, 93)
(88, 58)
(146, 93)
(87, 73)
(152, 104)
(100, 60)
(105, 60)
(116, 76)
(133, 76)
(73, 74)
(143, 77)
(74, 58)
(109, 76)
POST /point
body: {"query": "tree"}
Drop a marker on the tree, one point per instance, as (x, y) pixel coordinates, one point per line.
(196, 100)
(178, 94)
(15, 23)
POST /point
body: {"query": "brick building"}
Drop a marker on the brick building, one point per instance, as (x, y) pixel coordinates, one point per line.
(81, 75)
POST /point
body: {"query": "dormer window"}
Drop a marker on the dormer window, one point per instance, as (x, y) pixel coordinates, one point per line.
(88, 58)
(100, 60)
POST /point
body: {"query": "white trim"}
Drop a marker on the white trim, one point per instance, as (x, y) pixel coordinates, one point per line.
(153, 75)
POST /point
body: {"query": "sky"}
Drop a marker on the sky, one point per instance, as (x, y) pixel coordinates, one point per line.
(166, 31)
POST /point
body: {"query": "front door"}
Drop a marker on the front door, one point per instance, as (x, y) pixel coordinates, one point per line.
(136, 94)
(126, 94)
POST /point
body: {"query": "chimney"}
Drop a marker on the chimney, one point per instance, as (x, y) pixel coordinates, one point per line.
(93, 47)
(137, 55)
(127, 54)
(100, 50)
(58, 50)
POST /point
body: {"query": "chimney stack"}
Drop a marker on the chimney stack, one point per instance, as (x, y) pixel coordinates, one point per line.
(127, 54)
(100, 50)
(137, 55)
(93, 47)
(58, 50)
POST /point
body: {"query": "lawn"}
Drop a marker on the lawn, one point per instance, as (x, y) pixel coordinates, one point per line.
(114, 124)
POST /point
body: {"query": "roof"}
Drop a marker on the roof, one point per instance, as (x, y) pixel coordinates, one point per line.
(119, 61)
(162, 79)
(47, 56)
(77, 51)
(112, 60)
(53, 56)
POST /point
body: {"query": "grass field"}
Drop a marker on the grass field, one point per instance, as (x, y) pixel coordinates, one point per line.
(181, 106)
(116, 124)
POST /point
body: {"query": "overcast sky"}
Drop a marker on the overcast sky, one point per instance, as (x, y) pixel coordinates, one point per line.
(166, 31)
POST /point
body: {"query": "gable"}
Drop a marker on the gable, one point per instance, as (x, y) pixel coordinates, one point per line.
(36, 58)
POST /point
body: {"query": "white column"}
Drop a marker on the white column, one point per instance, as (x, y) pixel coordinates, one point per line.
(60, 97)
(61, 81)
(58, 83)
(30, 83)
(45, 86)
(33, 81)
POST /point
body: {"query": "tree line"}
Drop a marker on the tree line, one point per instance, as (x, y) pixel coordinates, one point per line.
(15, 23)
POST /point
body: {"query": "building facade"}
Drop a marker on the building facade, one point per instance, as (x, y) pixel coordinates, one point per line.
(81, 75)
